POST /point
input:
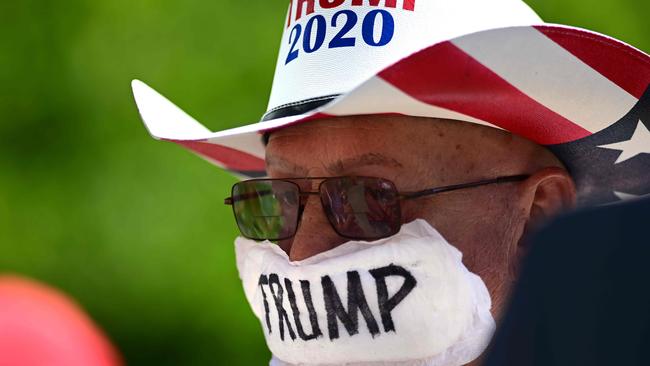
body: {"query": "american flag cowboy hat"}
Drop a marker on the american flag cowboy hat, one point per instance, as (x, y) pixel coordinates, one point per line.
(583, 95)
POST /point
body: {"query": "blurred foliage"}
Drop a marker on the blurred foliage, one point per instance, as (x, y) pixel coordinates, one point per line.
(133, 229)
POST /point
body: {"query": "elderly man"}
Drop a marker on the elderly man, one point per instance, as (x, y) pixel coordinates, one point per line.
(400, 135)
(485, 223)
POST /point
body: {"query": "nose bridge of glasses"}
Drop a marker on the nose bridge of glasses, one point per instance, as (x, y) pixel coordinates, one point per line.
(307, 185)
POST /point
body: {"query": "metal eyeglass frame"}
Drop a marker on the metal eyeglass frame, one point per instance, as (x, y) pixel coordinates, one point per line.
(401, 195)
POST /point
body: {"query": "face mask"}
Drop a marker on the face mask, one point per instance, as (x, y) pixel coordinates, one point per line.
(403, 300)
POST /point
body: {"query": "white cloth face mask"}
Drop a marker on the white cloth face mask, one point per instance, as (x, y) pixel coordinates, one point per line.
(403, 300)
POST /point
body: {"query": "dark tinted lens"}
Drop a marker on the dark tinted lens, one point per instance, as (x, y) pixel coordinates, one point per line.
(266, 209)
(361, 208)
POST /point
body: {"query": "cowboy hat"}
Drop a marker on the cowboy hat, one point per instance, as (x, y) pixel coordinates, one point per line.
(583, 95)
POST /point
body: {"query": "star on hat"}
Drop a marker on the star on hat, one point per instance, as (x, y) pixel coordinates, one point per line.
(613, 164)
(639, 143)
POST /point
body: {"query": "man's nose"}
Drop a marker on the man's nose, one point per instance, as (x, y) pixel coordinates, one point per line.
(315, 234)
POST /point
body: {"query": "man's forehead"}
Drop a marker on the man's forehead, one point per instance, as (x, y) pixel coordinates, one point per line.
(338, 166)
(379, 134)
(337, 146)
(343, 124)
(343, 144)
(394, 147)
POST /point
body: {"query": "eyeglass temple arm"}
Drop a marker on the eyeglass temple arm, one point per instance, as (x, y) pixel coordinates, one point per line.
(431, 191)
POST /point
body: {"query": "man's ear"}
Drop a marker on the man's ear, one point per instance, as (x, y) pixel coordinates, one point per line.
(543, 195)
(549, 191)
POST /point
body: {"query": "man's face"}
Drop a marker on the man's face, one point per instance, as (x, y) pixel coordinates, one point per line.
(485, 223)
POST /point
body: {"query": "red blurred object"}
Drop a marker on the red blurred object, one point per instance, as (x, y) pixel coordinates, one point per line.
(39, 326)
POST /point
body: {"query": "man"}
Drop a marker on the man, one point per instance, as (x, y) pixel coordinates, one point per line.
(481, 119)
(485, 223)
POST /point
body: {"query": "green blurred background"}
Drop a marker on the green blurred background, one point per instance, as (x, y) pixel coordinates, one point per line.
(133, 229)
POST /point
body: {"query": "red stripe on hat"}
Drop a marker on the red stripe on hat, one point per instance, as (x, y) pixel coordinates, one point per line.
(623, 65)
(445, 76)
(231, 159)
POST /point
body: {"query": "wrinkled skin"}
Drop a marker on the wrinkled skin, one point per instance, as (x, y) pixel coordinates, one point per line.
(487, 224)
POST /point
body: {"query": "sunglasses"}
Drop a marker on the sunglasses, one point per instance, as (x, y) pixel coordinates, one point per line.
(358, 208)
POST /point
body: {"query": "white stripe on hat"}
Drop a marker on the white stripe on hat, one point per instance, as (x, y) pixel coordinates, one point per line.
(363, 100)
(162, 118)
(165, 121)
(542, 69)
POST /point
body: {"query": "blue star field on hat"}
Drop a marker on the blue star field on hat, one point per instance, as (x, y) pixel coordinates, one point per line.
(613, 164)
(638, 144)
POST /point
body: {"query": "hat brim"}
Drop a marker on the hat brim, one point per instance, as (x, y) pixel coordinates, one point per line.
(551, 84)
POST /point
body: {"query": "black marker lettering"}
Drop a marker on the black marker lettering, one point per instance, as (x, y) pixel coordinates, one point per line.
(316, 332)
(282, 314)
(265, 281)
(356, 302)
(387, 305)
